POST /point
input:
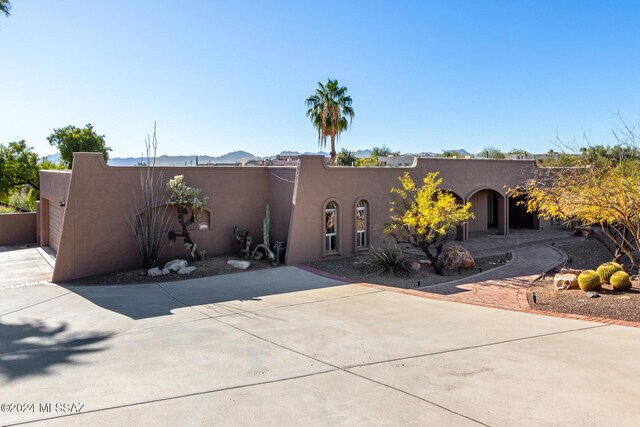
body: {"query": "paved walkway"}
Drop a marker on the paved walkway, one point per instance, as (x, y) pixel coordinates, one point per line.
(504, 286)
(286, 347)
(484, 243)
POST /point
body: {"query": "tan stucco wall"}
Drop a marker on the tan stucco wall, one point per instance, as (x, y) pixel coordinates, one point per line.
(54, 188)
(317, 183)
(97, 237)
(17, 228)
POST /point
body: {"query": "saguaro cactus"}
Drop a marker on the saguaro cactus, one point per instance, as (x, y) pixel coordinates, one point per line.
(265, 239)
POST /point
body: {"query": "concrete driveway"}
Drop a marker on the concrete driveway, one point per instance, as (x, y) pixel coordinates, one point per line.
(286, 347)
(24, 266)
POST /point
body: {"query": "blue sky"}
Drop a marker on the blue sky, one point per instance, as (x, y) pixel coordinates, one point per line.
(221, 76)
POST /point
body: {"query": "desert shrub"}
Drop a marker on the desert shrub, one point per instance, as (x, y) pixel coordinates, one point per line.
(6, 209)
(20, 201)
(589, 280)
(607, 269)
(151, 224)
(387, 260)
(620, 281)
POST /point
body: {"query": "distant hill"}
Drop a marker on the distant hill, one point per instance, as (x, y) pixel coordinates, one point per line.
(230, 158)
(462, 152)
(55, 158)
(297, 153)
(361, 154)
(235, 157)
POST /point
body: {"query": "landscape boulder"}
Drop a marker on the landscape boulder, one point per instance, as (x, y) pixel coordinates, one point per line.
(175, 265)
(187, 270)
(457, 258)
(415, 266)
(565, 281)
(165, 271)
(154, 272)
(240, 265)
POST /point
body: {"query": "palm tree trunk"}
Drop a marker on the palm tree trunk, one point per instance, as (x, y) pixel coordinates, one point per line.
(333, 153)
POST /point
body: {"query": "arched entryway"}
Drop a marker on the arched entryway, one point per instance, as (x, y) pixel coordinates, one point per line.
(490, 215)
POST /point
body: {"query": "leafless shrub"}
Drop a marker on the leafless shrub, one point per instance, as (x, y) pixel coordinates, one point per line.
(150, 222)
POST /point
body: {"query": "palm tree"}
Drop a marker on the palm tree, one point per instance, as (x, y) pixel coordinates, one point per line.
(5, 7)
(328, 109)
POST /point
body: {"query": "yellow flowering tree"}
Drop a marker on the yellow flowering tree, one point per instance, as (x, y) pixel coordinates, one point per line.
(422, 216)
(603, 197)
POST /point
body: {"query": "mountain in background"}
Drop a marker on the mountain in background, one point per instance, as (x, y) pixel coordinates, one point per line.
(462, 152)
(297, 153)
(230, 158)
(235, 157)
(55, 158)
(361, 154)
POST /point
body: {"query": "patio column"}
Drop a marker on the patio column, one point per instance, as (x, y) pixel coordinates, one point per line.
(503, 216)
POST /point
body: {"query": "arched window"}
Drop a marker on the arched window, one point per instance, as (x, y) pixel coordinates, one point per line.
(362, 220)
(331, 228)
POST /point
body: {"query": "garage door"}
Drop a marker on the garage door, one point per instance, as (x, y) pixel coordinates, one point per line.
(55, 224)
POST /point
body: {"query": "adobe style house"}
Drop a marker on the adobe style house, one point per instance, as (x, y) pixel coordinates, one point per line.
(319, 211)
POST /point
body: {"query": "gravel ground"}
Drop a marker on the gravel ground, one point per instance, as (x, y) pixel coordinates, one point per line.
(611, 304)
(350, 269)
(210, 266)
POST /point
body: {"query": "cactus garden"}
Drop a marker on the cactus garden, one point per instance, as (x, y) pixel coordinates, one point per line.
(601, 288)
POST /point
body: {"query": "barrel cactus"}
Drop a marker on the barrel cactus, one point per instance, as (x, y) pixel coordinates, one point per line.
(607, 269)
(589, 280)
(620, 281)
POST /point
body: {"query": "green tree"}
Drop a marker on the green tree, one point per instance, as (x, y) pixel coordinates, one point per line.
(518, 151)
(5, 7)
(346, 158)
(422, 216)
(70, 139)
(330, 111)
(449, 154)
(18, 167)
(383, 152)
(491, 153)
(19, 174)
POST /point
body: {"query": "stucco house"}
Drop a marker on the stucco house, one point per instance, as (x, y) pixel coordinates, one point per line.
(318, 210)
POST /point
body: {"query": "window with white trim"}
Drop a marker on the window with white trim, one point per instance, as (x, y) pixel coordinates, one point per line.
(331, 227)
(362, 213)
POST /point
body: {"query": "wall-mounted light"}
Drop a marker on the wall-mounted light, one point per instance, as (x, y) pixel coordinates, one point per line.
(62, 204)
(203, 226)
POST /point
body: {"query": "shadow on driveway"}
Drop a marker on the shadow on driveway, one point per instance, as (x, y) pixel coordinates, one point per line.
(30, 349)
(145, 301)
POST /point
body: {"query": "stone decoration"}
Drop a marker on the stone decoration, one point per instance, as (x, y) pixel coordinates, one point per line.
(240, 265)
(415, 266)
(565, 281)
(175, 265)
(154, 272)
(187, 270)
(457, 258)
(165, 271)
